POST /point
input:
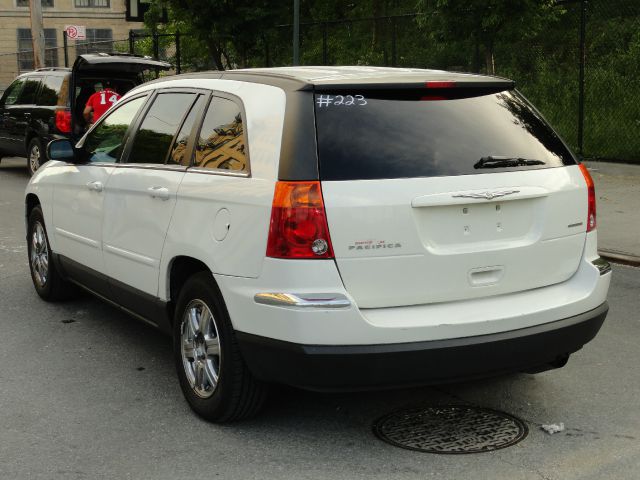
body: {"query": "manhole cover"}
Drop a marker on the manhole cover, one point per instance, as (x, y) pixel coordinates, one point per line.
(450, 429)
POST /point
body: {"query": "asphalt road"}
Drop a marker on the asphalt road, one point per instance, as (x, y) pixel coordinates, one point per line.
(89, 393)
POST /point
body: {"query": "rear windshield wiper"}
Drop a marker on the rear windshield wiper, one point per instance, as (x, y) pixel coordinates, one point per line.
(502, 162)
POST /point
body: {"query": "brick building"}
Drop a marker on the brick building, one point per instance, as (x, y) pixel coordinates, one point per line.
(106, 21)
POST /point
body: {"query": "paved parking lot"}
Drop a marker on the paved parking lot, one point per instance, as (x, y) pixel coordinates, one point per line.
(89, 393)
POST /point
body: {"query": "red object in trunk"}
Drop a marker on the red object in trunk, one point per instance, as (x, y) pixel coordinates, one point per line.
(63, 120)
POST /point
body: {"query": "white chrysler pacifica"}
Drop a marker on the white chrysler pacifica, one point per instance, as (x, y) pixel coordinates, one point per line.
(329, 228)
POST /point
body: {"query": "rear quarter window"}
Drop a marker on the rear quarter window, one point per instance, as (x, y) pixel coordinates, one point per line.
(50, 91)
(405, 134)
(29, 91)
(221, 143)
(10, 96)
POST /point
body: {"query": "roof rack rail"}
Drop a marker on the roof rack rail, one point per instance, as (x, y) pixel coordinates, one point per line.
(119, 54)
(50, 69)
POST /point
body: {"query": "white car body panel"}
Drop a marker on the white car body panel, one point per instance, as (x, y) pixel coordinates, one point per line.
(208, 201)
(78, 204)
(424, 240)
(584, 291)
(138, 205)
(231, 217)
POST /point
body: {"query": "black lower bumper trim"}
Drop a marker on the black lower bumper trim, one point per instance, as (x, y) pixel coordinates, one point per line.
(361, 367)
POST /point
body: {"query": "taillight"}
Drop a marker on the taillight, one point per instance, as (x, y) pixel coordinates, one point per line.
(298, 226)
(591, 212)
(63, 120)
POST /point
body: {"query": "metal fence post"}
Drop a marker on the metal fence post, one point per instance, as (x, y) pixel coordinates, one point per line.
(325, 56)
(131, 42)
(583, 28)
(267, 56)
(296, 32)
(156, 48)
(394, 33)
(178, 66)
(65, 43)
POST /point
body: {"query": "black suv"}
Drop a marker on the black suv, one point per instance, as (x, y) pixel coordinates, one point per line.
(37, 108)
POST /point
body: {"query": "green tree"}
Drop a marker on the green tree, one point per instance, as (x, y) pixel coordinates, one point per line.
(228, 30)
(485, 23)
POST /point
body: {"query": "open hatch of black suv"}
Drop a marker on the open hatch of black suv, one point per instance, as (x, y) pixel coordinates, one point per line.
(48, 103)
(122, 70)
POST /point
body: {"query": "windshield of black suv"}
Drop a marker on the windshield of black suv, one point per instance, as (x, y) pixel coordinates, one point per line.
(400, 134)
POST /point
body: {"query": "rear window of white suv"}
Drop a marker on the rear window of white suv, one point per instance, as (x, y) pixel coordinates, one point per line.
(425, 133)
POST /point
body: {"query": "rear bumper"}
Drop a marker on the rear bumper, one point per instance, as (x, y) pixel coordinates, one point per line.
(299, 314)
(358, 367)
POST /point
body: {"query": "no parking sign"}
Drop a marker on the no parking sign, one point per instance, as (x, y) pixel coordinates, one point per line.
(76, 32)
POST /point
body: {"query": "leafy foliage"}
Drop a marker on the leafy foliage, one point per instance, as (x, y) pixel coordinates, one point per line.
(534, 42)
(226, 30)
(487, 22)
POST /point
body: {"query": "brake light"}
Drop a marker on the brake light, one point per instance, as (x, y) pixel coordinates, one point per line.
(439, 84)
(63, 120)
(591, 211)
(298, 226)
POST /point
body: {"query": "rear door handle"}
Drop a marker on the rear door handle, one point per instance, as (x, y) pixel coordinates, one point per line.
(95, 186)
(159, 192)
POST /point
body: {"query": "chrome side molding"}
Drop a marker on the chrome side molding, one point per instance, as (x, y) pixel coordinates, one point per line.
(602, 265)
(303, 300)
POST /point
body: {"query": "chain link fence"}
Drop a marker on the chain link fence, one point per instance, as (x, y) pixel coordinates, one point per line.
(585, 79)
(22, 61)
(583, 74)
(612, 81)
(160, 46)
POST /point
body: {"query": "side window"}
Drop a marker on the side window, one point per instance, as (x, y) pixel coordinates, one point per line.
(161, 123)
(221, 142)
(178, 155)
(12, 93)
(50, 90)
(29, 92)
(105, 142)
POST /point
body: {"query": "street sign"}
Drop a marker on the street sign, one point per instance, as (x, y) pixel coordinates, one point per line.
(76, 32)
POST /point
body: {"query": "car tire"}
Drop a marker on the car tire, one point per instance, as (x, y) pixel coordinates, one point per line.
(35, 155)
(46, 278)
(213, 375)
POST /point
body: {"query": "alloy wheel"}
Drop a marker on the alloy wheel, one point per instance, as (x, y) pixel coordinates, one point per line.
(200, 348)
(34, 158)
(39, 256)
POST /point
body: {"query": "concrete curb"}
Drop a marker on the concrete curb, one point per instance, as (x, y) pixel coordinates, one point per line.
(620, 257)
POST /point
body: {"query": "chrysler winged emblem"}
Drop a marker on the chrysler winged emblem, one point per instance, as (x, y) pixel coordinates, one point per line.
(486, 195)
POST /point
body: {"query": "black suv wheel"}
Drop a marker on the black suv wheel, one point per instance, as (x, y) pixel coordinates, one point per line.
(35, 155)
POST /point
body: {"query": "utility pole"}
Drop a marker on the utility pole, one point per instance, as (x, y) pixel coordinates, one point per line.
(37, 33)
(296, 32)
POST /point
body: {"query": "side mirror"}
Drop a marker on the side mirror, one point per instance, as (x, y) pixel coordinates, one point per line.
(61, 149)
